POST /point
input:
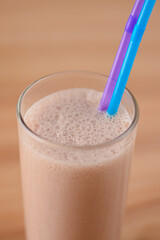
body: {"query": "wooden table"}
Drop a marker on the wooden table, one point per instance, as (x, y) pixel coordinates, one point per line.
(42, 37)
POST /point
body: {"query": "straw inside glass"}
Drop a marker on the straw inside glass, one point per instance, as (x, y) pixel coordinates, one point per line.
(130, 56)
(107, 94)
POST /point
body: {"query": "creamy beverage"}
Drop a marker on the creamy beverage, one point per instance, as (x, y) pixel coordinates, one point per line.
(71, 117)
(74, 178)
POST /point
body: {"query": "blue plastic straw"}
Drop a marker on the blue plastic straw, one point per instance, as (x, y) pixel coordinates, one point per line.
(118, 61)
(130, 55)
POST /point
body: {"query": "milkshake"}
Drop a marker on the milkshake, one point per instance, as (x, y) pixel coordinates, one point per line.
(75, 164)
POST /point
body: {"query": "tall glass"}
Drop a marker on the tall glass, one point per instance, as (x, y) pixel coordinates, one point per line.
(68, 201)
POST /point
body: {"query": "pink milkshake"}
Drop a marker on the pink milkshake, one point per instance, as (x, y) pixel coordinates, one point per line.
(75, 164)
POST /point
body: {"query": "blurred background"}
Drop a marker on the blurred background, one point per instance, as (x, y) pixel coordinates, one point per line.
(42, 37)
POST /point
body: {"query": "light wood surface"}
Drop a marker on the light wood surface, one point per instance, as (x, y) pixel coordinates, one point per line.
(42, 37)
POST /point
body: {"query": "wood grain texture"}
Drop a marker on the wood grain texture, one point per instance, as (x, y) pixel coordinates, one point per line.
(42, 37)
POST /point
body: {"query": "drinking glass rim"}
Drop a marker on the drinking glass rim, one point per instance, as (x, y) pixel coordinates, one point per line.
(52, 144)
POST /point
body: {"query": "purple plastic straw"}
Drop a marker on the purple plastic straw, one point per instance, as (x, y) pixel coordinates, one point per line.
(117, 64)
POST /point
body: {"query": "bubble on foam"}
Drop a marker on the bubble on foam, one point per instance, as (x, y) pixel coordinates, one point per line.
(70, 117)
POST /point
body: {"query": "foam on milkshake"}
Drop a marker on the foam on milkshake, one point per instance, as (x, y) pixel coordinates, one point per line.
(70, 117)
